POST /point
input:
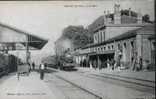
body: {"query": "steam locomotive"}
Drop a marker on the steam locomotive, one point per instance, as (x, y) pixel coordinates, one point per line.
(66, 63)
(62, 62)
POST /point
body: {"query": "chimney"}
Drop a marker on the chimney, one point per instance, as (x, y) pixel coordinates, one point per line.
(129, 12)
(109, 20)
(104, 17)
(117, 14)
(139, 17)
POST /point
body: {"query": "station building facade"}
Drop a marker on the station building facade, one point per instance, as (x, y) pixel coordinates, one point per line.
(122, 38)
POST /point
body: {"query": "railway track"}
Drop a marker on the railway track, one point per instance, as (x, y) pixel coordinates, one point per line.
(119, 82)
(71, 90)
(151, 85)
(150, 88)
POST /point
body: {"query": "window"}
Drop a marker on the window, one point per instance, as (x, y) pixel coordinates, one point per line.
(98, 36)
(95, 38)
(108, 47)
(101, 49)
(112, 47)
(153, 45)
(103, 35)
(132, 44)
(118, 46)
(98, 49)
(125, 45)
(104, 48)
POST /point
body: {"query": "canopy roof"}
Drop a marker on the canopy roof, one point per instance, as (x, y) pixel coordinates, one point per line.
(11, 36)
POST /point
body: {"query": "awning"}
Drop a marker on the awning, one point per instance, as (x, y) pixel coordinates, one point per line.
(106, 52)
(102, 52)
(36, 42)
(12, 38)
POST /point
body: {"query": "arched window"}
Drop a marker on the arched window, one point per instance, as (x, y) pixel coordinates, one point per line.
(101, 48)
(125, 46)
(112, 47)
(104, 48)
(108, 47)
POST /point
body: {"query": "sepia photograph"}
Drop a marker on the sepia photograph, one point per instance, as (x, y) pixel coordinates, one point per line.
(77, 49)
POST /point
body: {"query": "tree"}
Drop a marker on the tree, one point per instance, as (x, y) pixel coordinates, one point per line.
(78, 34)
(146, 18)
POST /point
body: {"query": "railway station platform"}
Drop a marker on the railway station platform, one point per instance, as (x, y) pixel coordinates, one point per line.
(27, 87)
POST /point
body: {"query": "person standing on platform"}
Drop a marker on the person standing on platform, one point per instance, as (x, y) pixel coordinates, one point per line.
(90, 64)
(108, 63)
(113, 64)
(42, 71)
(84, 63)
(29, 68)
(94, 64)
(33, 65)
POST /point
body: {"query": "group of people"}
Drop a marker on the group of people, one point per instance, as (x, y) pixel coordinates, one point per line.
(105, 64)
(83, 63)
(113, 64)
(95, 64)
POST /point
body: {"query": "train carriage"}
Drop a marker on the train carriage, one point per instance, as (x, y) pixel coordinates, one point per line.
(8, 63)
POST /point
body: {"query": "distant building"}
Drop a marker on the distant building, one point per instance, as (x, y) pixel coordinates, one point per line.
(119, 37)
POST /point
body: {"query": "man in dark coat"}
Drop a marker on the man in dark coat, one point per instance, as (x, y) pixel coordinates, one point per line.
(42, 71)
(33, 65)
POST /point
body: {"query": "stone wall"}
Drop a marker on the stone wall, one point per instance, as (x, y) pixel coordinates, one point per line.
(113, 31)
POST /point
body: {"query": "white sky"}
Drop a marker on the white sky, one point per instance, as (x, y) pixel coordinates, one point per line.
(48, 18)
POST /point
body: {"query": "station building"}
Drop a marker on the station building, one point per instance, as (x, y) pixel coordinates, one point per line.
(122, 38)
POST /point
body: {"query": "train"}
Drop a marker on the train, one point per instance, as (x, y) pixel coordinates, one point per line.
(8, 63)
(63, 62)
(66, 63)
